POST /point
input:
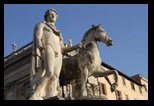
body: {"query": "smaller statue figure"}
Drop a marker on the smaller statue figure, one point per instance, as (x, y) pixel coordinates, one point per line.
(70, 42)
(14, 46)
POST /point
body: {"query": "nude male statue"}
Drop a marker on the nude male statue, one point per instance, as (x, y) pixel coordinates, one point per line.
(48, 49)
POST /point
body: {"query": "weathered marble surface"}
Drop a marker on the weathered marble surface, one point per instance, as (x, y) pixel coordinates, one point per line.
(92, 98)
(79, 98)
(87, 62)
(56, 98)
(47, 54)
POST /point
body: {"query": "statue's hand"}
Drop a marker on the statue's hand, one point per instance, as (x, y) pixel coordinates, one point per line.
(56, 54)
(81, 45)
(42, 49)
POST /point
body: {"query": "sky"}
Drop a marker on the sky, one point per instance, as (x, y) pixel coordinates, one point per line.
(126, 25)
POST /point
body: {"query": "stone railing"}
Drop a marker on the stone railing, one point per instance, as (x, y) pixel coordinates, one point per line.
(19, 51)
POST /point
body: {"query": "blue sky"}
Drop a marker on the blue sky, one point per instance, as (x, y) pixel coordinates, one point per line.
(126, 24)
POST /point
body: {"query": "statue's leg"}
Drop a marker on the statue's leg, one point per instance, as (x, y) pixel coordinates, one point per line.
(55, 83)
(48, 58)
(104, 73)
(37, 92)
(54, 87)
(54, 67)
(84, 76)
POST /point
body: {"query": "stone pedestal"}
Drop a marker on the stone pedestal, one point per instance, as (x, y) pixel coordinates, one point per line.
(56, 98)
(79, 98)
(92, 98)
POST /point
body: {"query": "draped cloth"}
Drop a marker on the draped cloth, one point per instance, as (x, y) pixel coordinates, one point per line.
(36, 63)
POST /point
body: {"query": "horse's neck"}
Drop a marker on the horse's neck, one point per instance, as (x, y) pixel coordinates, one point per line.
(93, 46)
(90, 39)
(92, 50)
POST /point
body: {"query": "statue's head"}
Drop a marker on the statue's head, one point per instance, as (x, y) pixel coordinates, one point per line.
(49, 12)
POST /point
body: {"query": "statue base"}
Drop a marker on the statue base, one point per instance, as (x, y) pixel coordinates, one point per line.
(92, 98)
(56, 98)
(79, 98)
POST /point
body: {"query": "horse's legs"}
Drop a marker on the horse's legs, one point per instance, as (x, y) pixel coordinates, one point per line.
(84, 76)
(103, 73)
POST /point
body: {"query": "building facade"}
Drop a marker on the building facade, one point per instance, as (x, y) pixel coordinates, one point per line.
(17, 81)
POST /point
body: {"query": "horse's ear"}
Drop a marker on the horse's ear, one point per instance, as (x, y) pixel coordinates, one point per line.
(93, 26)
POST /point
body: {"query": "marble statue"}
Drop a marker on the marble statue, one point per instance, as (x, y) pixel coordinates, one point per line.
(87, 62)
(14, 46)
(47, 51)
(70, 42)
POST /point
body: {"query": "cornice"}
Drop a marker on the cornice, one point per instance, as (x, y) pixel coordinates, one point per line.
(13, 66)
(17, 54)
(17, 59)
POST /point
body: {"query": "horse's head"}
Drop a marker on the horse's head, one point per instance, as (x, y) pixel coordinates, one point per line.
(100, 35)
(97, 33)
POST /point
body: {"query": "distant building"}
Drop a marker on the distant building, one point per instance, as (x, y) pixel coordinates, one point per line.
(17, 81)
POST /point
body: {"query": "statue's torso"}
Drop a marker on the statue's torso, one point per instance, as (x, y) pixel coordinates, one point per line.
(50, 38)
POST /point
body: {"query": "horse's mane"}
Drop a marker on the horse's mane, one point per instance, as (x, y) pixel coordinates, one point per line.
(87, 32)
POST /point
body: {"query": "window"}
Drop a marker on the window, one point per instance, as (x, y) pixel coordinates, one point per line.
(103, 89)
(127, 98)
(118, 95)
(145, 87)
(123, 80)
(132, 85)
(140, 89)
